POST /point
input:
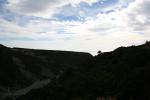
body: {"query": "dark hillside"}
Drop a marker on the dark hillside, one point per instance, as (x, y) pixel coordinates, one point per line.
(26, 69)
(123, 74)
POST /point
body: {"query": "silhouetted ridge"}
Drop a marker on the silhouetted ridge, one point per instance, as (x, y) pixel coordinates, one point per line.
(2, 46)
(22, 70)
(28, 74)
(146, 45)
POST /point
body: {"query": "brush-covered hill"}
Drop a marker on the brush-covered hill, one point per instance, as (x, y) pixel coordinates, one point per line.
(22, 70)
(123, 74)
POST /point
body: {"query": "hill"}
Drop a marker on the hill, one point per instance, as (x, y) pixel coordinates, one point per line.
(22, 70)
(123, 74)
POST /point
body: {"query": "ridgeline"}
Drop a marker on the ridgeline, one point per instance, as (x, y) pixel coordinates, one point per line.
(28, 74)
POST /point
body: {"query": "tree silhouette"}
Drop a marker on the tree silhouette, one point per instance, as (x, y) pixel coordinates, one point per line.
(99, 52)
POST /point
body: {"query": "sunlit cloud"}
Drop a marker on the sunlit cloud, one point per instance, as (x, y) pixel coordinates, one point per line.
(80, 25)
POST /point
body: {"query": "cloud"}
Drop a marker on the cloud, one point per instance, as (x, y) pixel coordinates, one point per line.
(41, 8)
(75, 25)
(84, 10)
(138, 15)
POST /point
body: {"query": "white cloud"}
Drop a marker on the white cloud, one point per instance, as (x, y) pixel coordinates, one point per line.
(104, 31)
(138, 15)
(41, 8)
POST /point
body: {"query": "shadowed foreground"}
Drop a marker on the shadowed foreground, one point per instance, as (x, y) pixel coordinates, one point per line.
(27, 74)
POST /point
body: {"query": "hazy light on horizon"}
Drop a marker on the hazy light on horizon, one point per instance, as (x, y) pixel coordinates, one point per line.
(74, 25)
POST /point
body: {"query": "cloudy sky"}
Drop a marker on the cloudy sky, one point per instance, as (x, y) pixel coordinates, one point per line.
(78, 25)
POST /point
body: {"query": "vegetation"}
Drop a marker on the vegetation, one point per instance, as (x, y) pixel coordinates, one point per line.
(122, 74)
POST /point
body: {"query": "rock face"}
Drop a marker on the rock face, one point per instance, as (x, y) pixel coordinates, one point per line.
(27, 74)
(22, 70)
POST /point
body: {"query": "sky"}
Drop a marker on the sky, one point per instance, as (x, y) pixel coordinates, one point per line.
(74, 25)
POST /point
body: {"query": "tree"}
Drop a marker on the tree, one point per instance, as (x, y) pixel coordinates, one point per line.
(99, 52)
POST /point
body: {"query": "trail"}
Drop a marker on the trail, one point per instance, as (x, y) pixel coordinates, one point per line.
(23, 91)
